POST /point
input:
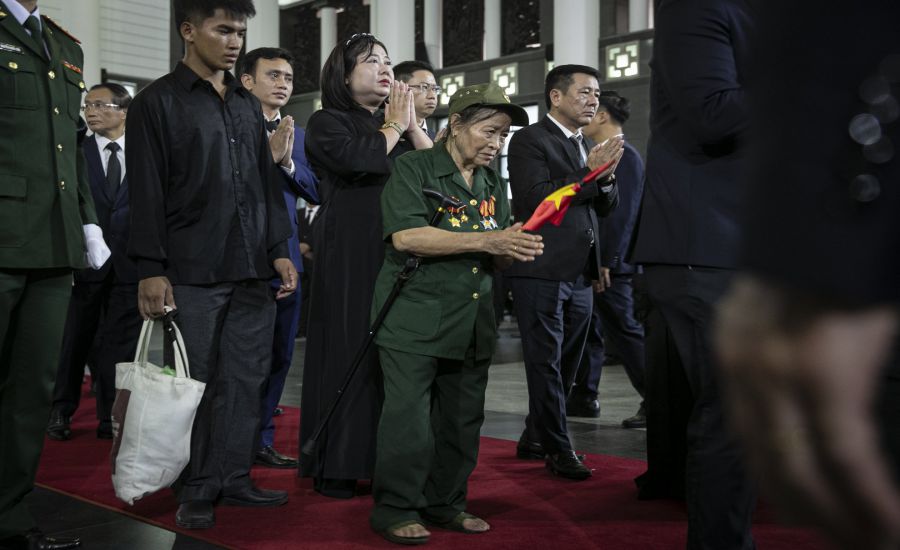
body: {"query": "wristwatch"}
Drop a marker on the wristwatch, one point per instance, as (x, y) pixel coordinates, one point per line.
(391, 124)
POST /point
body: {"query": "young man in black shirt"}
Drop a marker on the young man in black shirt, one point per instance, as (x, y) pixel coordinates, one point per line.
(209, 229)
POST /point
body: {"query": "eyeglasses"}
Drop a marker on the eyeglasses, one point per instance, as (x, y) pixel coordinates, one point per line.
(425, 88)
(358, 36)
(100, 107)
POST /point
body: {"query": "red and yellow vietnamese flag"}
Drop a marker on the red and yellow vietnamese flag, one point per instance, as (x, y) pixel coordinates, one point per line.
(554, 206)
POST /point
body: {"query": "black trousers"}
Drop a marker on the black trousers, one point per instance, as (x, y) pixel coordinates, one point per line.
(669, 406)
(104, 313)
(228, 330)
(553, 319)
(720, 496)
(612, 320)
(33, 304)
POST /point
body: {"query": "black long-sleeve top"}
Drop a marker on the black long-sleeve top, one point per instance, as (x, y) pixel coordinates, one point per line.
(205, 194)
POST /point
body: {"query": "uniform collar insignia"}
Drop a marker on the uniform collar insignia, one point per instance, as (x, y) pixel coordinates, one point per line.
(10, 48)
(60, 28)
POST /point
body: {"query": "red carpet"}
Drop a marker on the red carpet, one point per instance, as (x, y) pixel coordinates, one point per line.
(526, 507)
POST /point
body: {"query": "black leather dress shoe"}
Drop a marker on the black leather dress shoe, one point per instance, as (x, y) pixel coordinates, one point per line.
(583, 408)
(58, 428)
(639, 420)
(529, 450)
(270, 458)
(255, 497)
(196, 514)
(36, 540)
(566, 464)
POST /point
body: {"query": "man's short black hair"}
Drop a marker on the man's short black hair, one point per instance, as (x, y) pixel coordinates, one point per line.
(195, 11)
(618, 107)
(120, 95)
(404, 71)
(560, 78)
(251, 58)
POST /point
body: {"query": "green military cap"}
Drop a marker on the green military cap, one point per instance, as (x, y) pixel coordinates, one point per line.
(488, 95)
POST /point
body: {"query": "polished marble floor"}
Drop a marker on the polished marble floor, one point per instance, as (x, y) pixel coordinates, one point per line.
(506, 406)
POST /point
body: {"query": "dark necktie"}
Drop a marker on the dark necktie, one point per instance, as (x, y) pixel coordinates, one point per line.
(576, 139)
(34, 27)
(271, 125)
(113, 169)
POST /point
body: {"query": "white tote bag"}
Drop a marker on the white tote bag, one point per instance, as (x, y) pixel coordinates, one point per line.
(152, 419)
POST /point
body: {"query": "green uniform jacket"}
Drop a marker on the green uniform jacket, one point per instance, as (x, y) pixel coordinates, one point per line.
(45, 197)
(446, 308)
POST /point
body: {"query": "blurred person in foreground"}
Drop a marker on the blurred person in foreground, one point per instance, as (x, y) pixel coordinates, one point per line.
(808, 335)
(437, 339)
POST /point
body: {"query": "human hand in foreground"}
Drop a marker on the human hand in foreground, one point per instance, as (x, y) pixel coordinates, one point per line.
(288, 275)
(281, 142)
(610, 150)
(514, 243)
(801, 384)
(154, 293)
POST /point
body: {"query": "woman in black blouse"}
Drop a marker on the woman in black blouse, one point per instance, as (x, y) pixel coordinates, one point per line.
(351, 143)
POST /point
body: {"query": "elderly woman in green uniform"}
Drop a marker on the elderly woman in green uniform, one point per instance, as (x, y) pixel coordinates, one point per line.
(437, 340)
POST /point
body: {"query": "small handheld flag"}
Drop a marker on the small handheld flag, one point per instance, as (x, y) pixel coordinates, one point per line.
(554, 206)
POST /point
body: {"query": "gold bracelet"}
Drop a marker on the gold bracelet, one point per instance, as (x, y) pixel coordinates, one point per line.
(391, 124)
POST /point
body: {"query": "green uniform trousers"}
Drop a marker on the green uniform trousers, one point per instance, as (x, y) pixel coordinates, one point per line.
(33, 306)
(428, 436)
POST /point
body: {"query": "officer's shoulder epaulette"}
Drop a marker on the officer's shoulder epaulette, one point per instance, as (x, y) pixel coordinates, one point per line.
(61, 29)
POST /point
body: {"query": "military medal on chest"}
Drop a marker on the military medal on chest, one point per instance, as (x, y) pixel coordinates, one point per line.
(487, 209)
(456, 214)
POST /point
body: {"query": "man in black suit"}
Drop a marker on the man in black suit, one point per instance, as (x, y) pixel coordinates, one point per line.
(687, 235)
(809, 331)
(613, 316)
(552, 295)
(104, 301)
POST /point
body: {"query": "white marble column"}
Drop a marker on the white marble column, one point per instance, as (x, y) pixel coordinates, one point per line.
(638, 15)
(576, 31)
(263, 30)
(394, 23)
(434, 32)
(493, 29)
(327, 32)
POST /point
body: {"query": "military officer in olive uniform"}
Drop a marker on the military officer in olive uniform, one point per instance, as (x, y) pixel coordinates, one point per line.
(47, 229)
(438, 337)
